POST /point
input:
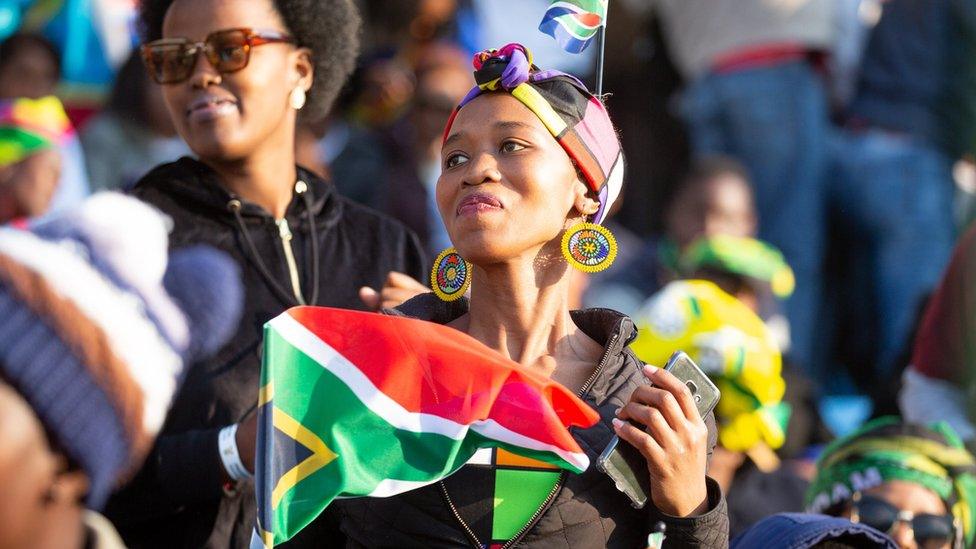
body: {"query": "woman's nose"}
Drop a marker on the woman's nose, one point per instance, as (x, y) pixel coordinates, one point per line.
(204, 74)
(484, 169)
(904, 536)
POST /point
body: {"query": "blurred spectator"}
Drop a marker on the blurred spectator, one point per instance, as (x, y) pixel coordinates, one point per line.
(738, 352)
(88, 368)
(354, 157)
(807, 531)
(406, 24)
(915, 483)
(30, 162)
(30, 67)
(940, 384)
(641, 82)
(295, 239)
(753, 92)
(443, 76)
(382, 87)
(892, 176)
(713, 198)
(397, 36)
(132, 133)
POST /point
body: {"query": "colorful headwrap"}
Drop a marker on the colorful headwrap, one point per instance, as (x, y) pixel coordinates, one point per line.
(732, 345)
(742, 256)
(575, 117)
(887, 449)
(30, 125)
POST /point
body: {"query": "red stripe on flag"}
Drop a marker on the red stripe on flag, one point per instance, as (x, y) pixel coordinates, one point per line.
(434, 369)
(588, 19)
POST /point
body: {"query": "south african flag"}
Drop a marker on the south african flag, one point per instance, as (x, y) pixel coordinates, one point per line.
(361, 404)
(574, 23)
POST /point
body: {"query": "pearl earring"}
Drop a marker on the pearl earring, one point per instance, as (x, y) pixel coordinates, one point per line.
(297, 98)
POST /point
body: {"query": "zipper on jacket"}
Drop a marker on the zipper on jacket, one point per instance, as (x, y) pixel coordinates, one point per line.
(546, 503)
(285, 233)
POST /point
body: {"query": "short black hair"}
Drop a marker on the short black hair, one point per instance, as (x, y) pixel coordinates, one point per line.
(16, 43)
(329, 28)
(707, 168)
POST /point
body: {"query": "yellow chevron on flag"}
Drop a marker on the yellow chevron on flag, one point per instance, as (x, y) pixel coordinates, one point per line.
(321, 454)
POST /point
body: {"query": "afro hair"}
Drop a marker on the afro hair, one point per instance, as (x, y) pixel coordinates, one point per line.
(329, 28)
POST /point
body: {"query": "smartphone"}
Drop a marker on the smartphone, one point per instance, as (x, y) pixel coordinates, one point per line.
(624, 464)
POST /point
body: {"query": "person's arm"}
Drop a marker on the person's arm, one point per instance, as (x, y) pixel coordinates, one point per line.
(936, 384)
(926, 399)
(188, 468)
(182, 469)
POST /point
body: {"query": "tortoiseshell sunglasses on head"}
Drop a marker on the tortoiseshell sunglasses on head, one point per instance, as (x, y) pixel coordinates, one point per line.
(171, 60)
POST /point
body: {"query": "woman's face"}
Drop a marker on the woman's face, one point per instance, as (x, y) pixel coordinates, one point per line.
(506, 187)
(226, 117)
(908, 496)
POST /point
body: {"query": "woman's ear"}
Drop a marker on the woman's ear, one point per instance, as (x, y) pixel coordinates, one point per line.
(586, 201)
(304, 67)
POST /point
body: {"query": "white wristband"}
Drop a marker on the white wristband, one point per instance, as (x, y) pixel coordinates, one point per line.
(229, 456)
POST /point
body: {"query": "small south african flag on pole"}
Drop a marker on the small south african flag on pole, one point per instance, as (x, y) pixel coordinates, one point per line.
(574, 23)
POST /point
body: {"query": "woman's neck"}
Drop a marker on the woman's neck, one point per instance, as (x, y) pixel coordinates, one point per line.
(266, 178)
(522, 311)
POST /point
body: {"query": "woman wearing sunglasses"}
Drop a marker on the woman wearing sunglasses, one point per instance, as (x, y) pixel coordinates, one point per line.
(235, 76)
(915, 483)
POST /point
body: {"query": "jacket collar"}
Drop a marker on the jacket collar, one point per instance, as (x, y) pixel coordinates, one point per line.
(199, 185)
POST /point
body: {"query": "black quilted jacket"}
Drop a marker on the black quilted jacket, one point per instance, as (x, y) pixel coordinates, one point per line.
(587, 510)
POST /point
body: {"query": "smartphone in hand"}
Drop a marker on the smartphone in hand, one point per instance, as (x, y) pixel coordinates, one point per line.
(624, 464)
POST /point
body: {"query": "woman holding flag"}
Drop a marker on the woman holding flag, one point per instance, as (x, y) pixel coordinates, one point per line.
(531, 165)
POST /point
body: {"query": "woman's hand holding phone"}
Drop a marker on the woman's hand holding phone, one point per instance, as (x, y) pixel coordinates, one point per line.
(673, 442)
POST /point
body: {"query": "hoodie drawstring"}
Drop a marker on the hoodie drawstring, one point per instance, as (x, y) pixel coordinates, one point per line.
(234, 205)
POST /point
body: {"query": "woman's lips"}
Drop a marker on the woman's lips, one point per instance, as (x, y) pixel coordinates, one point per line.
(210, 108)
(478, 203)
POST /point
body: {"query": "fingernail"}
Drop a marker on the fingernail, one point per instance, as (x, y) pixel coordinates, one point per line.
(617, 424)
(617, 411)
(650, 370)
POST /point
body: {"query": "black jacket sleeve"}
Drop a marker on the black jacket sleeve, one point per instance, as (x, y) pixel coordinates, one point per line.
(710, 529)
(181, 470)
(188, 467)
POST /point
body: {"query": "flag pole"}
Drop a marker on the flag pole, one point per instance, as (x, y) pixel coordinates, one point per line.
(599, 61)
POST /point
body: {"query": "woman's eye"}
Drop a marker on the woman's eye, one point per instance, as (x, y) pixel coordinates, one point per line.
(455, 160)
(511, 146)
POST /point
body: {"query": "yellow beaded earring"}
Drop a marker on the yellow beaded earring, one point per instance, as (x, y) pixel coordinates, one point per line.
(451, 275)
(589, 247)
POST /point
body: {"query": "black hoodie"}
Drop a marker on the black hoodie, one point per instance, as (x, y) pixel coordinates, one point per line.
(177, 499)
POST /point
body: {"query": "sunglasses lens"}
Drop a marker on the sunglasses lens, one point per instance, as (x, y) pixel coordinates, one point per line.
(228, 50)
(877, 514)
(169, 63)
(932, 531)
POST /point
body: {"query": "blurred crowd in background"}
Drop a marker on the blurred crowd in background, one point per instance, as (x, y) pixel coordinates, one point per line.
(812, 159)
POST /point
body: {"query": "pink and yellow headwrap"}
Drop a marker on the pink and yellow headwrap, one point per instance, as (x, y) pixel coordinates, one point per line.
(30, 125)
(575, 117)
